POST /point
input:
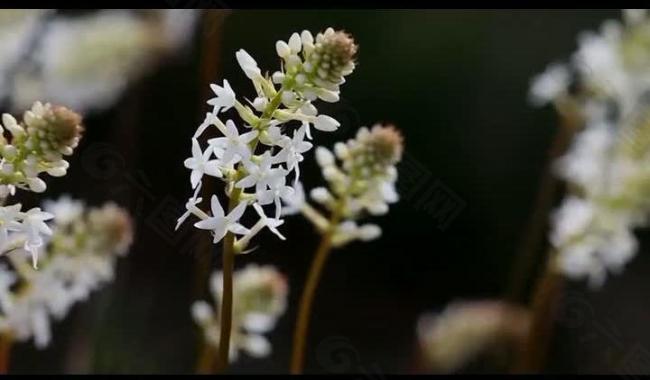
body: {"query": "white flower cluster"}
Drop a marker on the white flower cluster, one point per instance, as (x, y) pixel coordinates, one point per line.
(16, 29)
(260, 299)
(87, 61)
(605, 87)
(255, 161)
(361, 182)
(466, 329)
(38, 144)
(79, 257)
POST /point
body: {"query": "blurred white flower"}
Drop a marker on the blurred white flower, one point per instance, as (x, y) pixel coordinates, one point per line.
(260, 298)
(88, 61)
(606, 167)
(550, 84)
(465, 329)
(83, 258)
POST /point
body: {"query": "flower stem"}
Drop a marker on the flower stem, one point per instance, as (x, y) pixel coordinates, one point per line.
(529, 251)
(543, 309)
(306, 300)
(205, 363)
(228, 260)
(5, 352)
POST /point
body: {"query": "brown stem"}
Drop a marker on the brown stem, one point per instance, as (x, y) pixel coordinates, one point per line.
(210, 61)
(544, 308)
(205, 364)
(304, 311)
(5, 352)
(529, 250)
(228, 260)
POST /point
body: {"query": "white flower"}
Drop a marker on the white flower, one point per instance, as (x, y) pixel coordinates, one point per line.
(549, 85)
(294, 201)
(247, 158)
(260, 297)
(271, 223)
(88, 61)
(326, 123)
(248, 64)
(261, 174)
(277, 189)
(465, 329)
(362, 183)
(225, 98)
(571, 220)
(202, 312)
(190, 206)
(65, 209)
(606, 165)
(80, 261)
(10, 217)
(292, 149)
(200, 164)
(34, 227)
(219, 223)
(233, 146)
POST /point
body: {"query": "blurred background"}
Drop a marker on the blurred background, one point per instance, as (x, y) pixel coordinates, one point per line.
(456, 84)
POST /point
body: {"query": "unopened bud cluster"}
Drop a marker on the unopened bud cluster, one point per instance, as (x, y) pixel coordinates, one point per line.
(260, 299)
(35, 145)
(28, 148)
(316, 67)
(361, 175)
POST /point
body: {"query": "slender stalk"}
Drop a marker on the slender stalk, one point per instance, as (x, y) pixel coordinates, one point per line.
(6, 342)
(211, 42)
(228, 262)
(210, 62)
(307, 297)
(205, 364)
(529, 250)
(544, 307)
(228, 256)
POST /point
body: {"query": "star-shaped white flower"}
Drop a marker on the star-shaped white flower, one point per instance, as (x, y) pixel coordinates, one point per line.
(210, 119)
(270, 223)
(292, 150)
(295, 201)
(200, 164)
(259, 175)
(220, 224)
(190, 206)
(225, 98)
(233, 147)
(277, 189)
(34, 227)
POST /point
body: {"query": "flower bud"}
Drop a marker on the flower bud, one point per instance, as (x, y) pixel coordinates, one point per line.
(63, 127)
(331, 58)
(326, 123)
(36, 184)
